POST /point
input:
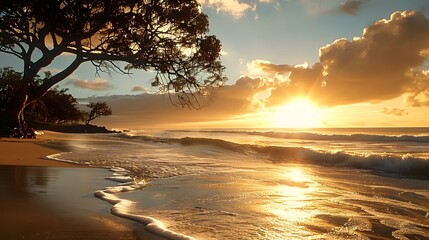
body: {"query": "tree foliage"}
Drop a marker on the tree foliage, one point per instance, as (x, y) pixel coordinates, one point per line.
(97, 109)
(56, 106)
(168, 37)
(9, 84)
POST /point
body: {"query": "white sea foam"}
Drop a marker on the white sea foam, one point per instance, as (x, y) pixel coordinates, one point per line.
(123, 207)
(122, 179)
(56, 157)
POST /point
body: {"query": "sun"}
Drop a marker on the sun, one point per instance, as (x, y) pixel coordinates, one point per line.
(299, 113)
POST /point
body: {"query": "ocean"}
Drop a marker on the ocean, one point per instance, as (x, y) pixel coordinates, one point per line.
(355, 183)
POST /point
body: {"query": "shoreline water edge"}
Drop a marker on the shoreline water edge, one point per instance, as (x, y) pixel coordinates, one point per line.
(43, 152)
(260, 185)
(46, 199)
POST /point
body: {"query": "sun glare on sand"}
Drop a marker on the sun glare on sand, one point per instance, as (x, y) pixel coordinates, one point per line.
(299, 113)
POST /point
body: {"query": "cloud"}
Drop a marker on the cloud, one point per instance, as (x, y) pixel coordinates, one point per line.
(382, 64)
(237, 8)
(351, 6)
(98, 84)
(418, 95)
(234, 7)
(157, 110)
(137, 88)
(317, 7)
(394, 111)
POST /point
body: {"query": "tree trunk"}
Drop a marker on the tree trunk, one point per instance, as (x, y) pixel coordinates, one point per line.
(12, 120)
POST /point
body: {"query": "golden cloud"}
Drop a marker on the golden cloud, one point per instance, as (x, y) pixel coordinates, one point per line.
(157, 109)
(380, 65)
(418, 95)
(137, 88)
(98, 84)
(233, 7)
(394, 111)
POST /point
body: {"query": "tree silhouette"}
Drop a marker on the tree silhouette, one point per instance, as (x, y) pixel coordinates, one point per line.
(56, 106)
(98, 109)
(168, 37)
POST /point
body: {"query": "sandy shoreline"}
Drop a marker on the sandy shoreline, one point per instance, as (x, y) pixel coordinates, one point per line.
(46, 199)
(32, 152)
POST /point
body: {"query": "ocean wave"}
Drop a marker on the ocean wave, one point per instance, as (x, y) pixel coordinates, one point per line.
(344, 137)
(319, 136)
(405, 165)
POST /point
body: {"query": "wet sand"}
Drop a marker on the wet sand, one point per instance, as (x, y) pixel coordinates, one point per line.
(31, 152)
(45, 199)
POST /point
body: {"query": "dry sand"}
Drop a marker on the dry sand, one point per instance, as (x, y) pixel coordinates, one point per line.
(45, 199)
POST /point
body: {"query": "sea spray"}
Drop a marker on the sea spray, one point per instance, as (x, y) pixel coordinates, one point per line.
(122, 207)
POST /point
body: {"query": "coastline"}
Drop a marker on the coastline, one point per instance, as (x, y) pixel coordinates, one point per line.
(49, 199)
(33, 152)
(214, 202)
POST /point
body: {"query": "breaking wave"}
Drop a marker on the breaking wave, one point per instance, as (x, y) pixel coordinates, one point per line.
(402, 164)
(418, 138)
(344, 137)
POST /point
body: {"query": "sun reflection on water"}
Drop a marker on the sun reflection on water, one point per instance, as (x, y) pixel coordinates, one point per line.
(294, 204)
(297, 175)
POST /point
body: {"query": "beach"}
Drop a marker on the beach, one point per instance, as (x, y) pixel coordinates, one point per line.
(265, 184)
(218, 184)
(46, 199)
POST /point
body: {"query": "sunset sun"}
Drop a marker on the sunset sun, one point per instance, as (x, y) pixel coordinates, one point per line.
(299, 113)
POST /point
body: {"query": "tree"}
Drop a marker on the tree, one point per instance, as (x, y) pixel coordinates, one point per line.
(98, 109)
(9, 83)
(168, 37)
(56, 106)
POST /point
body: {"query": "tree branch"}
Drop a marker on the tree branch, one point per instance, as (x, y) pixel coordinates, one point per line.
(11, 52)
(50, 82)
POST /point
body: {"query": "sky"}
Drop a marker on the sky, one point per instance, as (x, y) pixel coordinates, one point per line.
(290, 63)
